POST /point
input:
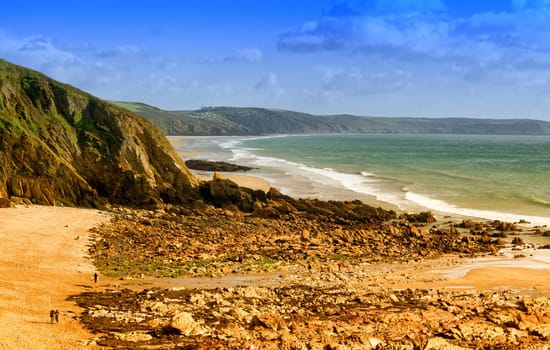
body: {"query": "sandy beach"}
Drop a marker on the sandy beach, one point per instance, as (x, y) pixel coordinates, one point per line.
(43, 262)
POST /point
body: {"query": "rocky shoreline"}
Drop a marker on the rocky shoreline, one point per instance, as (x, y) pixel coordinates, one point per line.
(208, 165)
(301, 274)
(309, 317)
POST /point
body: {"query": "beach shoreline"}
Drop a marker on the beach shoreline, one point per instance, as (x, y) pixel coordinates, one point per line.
(310, 189)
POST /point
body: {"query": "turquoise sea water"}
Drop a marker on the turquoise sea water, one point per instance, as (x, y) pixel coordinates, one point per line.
(505, 177)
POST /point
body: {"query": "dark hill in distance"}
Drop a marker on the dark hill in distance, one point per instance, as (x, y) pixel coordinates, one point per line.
(225, 121)
(59, 145)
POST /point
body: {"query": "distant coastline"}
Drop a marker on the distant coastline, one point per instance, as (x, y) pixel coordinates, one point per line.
(246, 121)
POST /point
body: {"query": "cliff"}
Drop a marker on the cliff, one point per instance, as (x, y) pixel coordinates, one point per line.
(59, 145)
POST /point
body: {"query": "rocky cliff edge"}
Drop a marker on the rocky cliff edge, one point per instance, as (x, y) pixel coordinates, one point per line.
(61, 146)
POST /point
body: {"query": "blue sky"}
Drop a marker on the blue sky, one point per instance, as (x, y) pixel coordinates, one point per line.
(431, 58)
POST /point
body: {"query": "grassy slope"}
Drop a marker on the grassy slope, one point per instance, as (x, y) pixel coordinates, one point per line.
(60, 144)
(260, 121)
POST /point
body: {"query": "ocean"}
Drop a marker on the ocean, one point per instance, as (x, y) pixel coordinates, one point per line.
(495, 177)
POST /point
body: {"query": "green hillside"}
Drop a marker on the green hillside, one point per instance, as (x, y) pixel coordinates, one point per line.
(261, 121)
(59, 145)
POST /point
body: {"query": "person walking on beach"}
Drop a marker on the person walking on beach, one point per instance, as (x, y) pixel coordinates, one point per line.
(56, 316)
(95, 277)
(52, 315)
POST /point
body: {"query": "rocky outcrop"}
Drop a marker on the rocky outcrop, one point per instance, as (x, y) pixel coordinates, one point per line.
(5, 203)
(185, 324)
(425, 217)
(224, 193)
(208, 165)
(59, 145)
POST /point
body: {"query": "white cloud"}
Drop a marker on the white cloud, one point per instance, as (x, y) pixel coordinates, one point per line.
(34, 51)
(268, 81)
(409, 5)
(120, 51)
(419, 32)
(355, 81)
(247, 55)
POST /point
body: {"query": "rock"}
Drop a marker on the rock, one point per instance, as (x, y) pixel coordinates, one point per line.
(133, 336)
(518, 241)
(542, 330)
(158, 323)
(186, 324)
(504, 226)
(470, 224)
(441, 344)
(305, 235)
(198, 300)
(472, 330)
(255, 292)
(423, 217)
(207, 165)
(394, 230)
(394, 298)
(418, 232)
(269, 321)
(257, 206)
(375, 342)
(240, 313)
(20, 200)
(224, 192)
(485, 239)
(6, 203)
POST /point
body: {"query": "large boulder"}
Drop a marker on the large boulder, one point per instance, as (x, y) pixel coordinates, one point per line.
(5, 203)
(425, 217)
(186, 325)
(223, 192)
(269, 321)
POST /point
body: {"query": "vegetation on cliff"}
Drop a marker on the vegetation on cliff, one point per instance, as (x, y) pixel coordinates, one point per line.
(59, 145)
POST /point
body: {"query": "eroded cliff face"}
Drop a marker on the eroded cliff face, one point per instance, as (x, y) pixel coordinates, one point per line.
(59, 145)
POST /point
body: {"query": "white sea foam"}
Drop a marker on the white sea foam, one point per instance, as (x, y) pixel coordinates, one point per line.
(442, 206)
(536, 259)
(365, 183)
(366, 174)
(362, 183)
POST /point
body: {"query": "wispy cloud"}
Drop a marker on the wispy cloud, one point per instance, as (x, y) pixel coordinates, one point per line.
(130, 72)
(120, 51)
(268, 81)
(246, 55)
(356, 81)
(425, 29)
(34, 51)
